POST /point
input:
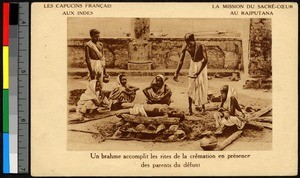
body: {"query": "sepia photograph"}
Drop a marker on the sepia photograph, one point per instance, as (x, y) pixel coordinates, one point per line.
(164, 89)
(169, 84)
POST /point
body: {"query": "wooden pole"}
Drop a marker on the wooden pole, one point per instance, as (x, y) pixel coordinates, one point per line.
(267, 125)
(263, 119)
(228, 141)
(83, 131)
(259, 113)
(95, 117)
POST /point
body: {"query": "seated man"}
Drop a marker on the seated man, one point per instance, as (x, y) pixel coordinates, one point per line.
(158, 92)
(92, 100)
(123, 93)
(226, 115)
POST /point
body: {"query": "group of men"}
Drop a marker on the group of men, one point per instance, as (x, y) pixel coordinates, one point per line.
(197, 82)
(197, 76)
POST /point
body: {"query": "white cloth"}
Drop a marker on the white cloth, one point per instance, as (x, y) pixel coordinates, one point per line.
(86, 98)
(160, 93)
(97, 65)
(231, 92)
(198, 87)
(138, 110)
(94, 47)
(230, 120)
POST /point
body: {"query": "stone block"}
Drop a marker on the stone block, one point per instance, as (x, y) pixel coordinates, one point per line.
(139, 65)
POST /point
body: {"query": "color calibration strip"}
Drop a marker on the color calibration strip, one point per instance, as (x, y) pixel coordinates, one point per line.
(13, 87)
(15, 62)
(5, 102)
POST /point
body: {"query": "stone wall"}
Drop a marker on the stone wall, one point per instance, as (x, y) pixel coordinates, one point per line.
(223, 53)
(116, 51)
(260, 62)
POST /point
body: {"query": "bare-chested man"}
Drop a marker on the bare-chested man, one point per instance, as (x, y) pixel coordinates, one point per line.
(94, 57)
(197, 82)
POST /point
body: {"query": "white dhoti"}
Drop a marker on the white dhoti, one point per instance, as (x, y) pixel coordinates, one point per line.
(198, 87)
(85, 102)
(83, 106)
(230, 120)
(98, 67)
(221, 121)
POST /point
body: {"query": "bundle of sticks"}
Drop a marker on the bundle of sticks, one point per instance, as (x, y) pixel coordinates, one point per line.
(261, 119)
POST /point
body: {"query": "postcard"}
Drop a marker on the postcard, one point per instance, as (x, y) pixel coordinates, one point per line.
(164, 89)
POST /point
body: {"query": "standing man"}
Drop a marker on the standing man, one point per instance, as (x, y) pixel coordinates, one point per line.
(197, 78)
(94, 57)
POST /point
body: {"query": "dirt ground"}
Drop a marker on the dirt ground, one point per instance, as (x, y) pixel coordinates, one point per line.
(90, 139)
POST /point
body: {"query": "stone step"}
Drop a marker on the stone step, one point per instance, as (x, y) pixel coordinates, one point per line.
(165, 72)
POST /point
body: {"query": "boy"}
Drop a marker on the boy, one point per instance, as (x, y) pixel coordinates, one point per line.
(94, 57)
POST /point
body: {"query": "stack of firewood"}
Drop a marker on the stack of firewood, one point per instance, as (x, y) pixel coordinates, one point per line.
(160, 128)
(259, 120)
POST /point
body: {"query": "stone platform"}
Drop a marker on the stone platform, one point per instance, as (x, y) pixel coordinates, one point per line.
(139, 65)
(167, 72)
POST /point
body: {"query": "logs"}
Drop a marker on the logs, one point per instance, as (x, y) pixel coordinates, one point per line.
(256, 125)
(228, 141)
(257, 121)
(260, 113)
(267, 125)
(150, 120)
(263, 119)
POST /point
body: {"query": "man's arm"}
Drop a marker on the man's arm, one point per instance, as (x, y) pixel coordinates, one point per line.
(182, 56)
(96, 102)
(167, 94)
(104, 72)
(103, 58)
(129, 91)
(221, 109)
(237, 106)
(133, 88)
(145, 91)
(87, 59)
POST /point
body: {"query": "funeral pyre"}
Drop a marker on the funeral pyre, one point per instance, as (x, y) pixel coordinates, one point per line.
(158, 123)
